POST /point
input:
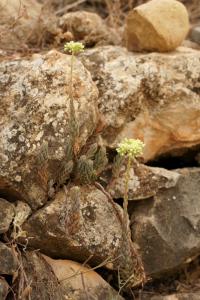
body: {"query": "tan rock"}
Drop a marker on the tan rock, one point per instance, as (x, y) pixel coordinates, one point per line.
(157, 25)
(80, 282)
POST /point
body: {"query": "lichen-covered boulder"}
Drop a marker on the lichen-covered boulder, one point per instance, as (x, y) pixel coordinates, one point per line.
(153, 97)
(157, 26)
(35, 122)
(167, 226)
(79, 223)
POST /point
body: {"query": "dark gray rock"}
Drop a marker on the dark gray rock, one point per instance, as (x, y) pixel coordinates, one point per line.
(195, 34)
(6, 215)
(167, 227)
(8, 260)
(3, 288)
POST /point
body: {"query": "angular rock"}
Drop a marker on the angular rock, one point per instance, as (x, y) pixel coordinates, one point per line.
(148, 96)
(77, 224)
(8, 260)
(35, 117)
(167, 227)
(43, 282)
(89, 28)
(25, 23)
(6, 215)
(144, 182)
(157, 26)
(79, 282)
(3, 288)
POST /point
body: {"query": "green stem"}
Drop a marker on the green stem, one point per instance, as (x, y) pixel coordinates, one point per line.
(74, 126)
(125, 203)
(71, 86)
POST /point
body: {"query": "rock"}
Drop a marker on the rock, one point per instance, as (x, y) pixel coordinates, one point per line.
(144, 182)
(80, 282)
(89, 28)
(8, 260)
(148, 96)
(40, 276)
(195, 34)
(3, 288)
(77, 224)
(24, 23)
(167, 227)
(34, 126)
(157, 26)
(6, 215)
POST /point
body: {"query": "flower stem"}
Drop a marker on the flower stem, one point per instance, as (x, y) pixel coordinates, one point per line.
(125, 203)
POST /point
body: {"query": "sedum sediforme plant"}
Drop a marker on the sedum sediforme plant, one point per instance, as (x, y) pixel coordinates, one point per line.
(131, 271)
(129, 148)
(89, 165)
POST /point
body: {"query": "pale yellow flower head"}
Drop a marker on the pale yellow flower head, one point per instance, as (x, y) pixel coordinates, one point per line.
(73, 47)
(130, 147)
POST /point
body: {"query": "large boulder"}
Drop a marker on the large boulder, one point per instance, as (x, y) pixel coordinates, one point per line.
(157, 26)
(80, 223)
(167, 226)
(35, 122)
(153, 97)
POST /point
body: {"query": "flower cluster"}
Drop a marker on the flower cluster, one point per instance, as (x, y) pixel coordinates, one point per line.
(73, 47)
(130, 147)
